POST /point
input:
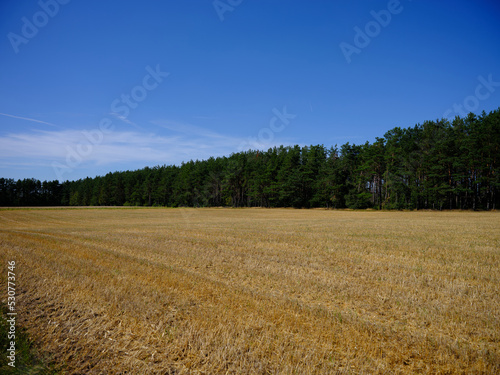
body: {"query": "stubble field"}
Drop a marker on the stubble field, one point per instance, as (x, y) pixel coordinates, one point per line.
(236, 291)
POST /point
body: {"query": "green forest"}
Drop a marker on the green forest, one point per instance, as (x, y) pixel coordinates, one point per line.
(434, 165)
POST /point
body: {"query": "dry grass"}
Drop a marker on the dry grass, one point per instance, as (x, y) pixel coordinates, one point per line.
(216, 291)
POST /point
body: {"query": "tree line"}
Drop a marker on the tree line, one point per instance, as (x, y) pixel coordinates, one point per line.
(434, 165)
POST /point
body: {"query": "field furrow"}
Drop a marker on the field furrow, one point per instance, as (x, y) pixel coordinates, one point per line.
(258, 291)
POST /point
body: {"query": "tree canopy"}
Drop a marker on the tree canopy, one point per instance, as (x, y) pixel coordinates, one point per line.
(434, 165)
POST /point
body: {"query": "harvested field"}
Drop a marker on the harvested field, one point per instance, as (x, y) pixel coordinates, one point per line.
(230, 291)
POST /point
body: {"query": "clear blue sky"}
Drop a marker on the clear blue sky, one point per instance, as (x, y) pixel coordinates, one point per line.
(234, 68)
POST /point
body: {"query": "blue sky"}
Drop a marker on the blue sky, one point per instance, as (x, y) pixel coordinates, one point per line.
(89, 87)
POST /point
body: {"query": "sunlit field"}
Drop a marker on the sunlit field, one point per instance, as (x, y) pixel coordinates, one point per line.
(236, 291)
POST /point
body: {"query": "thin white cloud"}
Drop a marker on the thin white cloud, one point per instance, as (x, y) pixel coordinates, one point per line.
(29, 119)
(125, 120)
(83, 151)
(189, 129)
(118, 146)
(101, 149)
(212, 140)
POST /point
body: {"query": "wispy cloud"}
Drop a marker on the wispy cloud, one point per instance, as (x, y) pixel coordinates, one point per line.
(29, 119)
(125, 120)
(116, 150)
(46, 147)
(51, 146)
(205, 139)
(191, 130)
(208, 139)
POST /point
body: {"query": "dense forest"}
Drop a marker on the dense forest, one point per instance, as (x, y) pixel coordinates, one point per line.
(434, 165)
